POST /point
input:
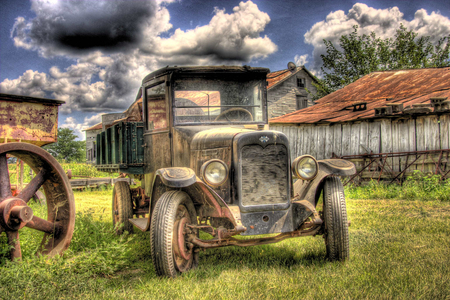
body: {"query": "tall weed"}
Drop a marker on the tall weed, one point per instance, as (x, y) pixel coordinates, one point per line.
(418, 186)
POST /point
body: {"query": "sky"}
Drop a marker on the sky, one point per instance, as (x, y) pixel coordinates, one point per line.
(94, 54)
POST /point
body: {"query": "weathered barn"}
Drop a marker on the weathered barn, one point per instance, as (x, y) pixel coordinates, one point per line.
(286, 90)
(403, 114)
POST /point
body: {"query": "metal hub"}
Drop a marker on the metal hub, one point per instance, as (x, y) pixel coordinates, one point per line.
(14, 213)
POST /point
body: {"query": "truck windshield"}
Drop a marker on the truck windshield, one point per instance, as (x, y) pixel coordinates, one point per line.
(202, 101)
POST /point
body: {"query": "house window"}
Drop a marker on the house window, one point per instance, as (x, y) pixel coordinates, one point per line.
(302, 102)
(301, 82)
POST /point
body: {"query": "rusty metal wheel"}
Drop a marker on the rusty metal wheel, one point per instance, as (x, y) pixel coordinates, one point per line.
(172, 253)
(15, 212)
(122, 208)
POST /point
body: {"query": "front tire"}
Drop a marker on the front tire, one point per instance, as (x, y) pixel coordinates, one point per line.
(172, 254)
(336, 225)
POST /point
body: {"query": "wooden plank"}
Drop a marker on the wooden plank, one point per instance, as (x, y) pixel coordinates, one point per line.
(444, 122)
(354, 138)
(420, 134)
(337, 139)
(386, 139)
(346, 139)
(374, 137)
(386, 136)
(292, 138)
(300, 140)
(403, 141)
(329, 138)
(431, 129)
(313, 144)
(306, 139)
(363, 137)
(320, 146)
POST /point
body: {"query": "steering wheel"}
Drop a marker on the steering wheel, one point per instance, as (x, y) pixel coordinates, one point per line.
(235, 114)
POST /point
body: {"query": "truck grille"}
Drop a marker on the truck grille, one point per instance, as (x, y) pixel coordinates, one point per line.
(264, 174)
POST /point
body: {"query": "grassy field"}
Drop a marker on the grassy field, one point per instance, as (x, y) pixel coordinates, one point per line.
(400, 249)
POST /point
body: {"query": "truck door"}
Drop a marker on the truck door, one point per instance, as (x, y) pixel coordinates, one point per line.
(157, 153)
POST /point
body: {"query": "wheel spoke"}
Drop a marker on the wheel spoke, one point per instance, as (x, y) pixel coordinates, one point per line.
(5, 186)
(44, 225)
(14, 243)
(27, 193)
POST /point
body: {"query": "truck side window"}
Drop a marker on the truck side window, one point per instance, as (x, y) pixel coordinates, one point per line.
(156, 106)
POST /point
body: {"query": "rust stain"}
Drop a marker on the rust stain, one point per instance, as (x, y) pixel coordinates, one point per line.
(35, 123)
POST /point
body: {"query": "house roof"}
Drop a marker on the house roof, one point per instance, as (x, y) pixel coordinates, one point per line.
(95, 127)
(376, 89)
(275, 78)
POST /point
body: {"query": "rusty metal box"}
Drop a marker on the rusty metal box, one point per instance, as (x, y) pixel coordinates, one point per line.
(28, 119)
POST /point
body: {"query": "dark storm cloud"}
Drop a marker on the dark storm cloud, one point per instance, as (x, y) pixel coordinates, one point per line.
(116, 43)
(86, 25)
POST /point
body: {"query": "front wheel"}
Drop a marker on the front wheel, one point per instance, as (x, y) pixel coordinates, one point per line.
(336, 224)
(172, 253)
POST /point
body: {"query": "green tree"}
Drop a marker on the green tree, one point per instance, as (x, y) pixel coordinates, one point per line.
(67, 148)
(359, 55)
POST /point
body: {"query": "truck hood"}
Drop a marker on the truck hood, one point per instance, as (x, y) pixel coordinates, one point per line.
(209, 137)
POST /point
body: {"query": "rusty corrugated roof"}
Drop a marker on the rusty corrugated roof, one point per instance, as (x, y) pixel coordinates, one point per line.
(275, 78)
(398, 86)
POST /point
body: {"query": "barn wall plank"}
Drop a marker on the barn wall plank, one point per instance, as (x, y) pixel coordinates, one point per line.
(354, 138)
(386, 139)
(337, 139)
(374, 137)
(313, 144)
(321, 136)
(443, 131)
(420, 134)
(299, 141)
(346, 139)
(329, 139)
(363, 138)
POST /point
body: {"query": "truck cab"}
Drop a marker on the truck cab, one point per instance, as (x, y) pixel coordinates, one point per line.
(198, 140)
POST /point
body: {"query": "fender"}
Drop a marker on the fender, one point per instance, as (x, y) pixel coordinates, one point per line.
(310, 190)
(206, 200)
(176, 177)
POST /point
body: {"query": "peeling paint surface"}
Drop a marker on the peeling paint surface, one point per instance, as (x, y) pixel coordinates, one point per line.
(34, 123)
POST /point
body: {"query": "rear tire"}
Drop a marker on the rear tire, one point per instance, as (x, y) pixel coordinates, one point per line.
(336, 225)
(122, 208)
(172, 254)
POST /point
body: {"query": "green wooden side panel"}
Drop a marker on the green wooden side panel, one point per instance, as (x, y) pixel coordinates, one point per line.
(120, 148)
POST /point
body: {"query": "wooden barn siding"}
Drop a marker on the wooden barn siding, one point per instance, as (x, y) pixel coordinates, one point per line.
(380, 136)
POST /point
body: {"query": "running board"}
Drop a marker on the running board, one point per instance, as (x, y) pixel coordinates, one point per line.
(140, 223)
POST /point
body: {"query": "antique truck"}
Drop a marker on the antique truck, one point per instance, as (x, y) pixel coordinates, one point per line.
(198, 139)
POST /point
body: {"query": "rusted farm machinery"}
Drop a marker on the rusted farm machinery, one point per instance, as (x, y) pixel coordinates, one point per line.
(26, 124)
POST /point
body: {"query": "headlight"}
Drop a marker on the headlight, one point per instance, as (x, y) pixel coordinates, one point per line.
(214, 172)
(305, 167)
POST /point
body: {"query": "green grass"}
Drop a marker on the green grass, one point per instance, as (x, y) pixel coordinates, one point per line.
(78, 169)
(419, 186)
(399, 249)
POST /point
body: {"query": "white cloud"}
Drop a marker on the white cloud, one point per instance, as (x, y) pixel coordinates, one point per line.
(72, 123)
(384, 22)
(301, 60)
(228, 37)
